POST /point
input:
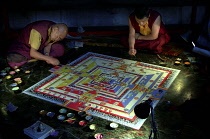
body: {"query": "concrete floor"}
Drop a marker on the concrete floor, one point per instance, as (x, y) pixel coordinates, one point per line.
(180, 114)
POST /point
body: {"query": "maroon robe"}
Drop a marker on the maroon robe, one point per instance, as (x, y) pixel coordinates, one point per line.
(154, 45)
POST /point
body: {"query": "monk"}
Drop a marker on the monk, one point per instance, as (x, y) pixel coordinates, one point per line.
(39, 41)
(146, 31)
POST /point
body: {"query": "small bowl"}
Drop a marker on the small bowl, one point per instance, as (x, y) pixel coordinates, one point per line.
(82, 113)
(50, 114)
(63, 110)
(92, 127)
(114, 125)
(89, 118)
(61, 117)
(70, 115)
(71, 120)
(98, 136)
(43, 112)
(82, 122)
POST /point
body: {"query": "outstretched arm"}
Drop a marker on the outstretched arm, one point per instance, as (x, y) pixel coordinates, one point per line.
(39, 56)
(131, 39)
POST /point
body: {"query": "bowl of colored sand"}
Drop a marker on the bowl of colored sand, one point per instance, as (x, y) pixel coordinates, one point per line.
(82, 122)
(98, 136)
(63, 110)
(70, 115)
(113, 125)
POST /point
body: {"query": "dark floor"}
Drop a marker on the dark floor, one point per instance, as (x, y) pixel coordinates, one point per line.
(181, 113)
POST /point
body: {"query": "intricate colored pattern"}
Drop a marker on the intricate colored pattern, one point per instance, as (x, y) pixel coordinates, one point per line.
(105, 86)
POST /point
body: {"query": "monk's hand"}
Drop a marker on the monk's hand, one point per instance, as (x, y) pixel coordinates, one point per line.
(53, 61)
(132, 52)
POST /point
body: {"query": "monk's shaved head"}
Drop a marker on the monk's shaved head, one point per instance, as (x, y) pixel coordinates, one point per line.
(63, 29)
(58, 32)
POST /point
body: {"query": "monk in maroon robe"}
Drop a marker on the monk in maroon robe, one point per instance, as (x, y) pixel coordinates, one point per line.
(38, 41)
(146, 31)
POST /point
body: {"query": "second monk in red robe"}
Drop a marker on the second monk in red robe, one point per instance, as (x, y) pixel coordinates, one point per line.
(146, 31)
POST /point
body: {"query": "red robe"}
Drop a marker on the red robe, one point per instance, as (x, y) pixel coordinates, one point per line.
(154, 45)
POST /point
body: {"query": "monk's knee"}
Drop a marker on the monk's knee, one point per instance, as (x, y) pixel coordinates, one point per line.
(158, 45)
(16, 58)
(57, 50)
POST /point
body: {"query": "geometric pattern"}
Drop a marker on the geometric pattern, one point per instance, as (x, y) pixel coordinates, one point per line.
(105, 86)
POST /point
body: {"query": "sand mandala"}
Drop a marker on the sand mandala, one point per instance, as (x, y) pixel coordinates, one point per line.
(105, 86)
